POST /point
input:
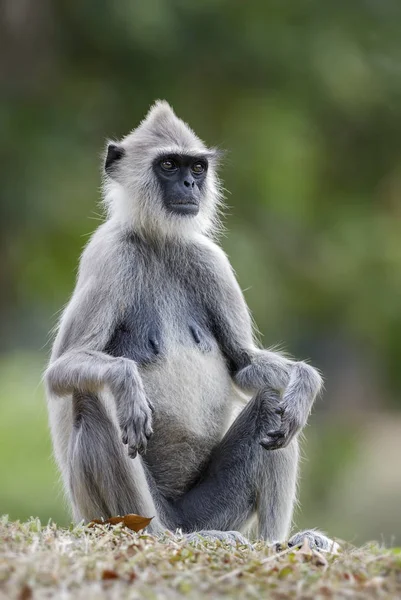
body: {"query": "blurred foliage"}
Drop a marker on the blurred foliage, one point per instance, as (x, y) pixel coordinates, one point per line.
(306, 96)
(29, 484)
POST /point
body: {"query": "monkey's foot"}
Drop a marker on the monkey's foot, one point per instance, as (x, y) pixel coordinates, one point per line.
(316, 539)
(233, 538)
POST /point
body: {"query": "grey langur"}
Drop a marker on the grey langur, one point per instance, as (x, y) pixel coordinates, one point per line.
(155, 351)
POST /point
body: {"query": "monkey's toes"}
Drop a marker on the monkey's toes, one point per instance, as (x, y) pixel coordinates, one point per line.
(316, 539)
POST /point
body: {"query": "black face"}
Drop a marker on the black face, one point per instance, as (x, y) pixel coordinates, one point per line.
(181, 178)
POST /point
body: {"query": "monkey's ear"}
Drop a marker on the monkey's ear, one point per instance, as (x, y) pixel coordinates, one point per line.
(114, 153)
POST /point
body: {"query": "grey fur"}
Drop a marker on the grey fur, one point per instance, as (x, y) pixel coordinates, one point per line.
(155, 350)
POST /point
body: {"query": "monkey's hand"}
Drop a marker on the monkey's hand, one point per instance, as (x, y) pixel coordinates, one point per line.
(303, 386)
(134, 411)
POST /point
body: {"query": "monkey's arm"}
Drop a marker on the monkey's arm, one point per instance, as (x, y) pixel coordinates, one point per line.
(78, 362)
(251, 367)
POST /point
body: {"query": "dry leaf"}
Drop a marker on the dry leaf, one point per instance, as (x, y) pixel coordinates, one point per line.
(25, 593)
(133, 522)
(96, 522)
(136, 522)
(109, 574)
(115, 520)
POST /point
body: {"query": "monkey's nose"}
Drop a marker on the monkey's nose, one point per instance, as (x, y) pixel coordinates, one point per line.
(189, 183)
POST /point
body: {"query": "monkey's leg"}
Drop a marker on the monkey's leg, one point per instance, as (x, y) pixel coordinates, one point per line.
(243, 478)
(103, 481)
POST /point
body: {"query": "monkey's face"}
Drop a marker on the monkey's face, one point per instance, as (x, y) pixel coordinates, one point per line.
(181, 178)
(161, 178)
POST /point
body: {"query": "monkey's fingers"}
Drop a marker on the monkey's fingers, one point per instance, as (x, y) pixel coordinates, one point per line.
(141, 441)
(142, 448)
(132, 452)
(147, 429)
(269, 444)
(136, 447)
(277, 435)
(275, 439)
(132, 445)
(135, 441)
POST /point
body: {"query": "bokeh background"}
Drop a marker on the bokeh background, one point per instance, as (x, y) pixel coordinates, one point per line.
(306, 96)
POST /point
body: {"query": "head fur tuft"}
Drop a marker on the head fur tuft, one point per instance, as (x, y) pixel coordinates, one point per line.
(160, 109)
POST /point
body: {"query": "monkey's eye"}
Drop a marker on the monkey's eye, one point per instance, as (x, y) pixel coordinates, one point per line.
(168, 165)
(198, 168)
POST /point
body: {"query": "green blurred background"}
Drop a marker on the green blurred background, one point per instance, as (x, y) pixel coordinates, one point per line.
(306, 96)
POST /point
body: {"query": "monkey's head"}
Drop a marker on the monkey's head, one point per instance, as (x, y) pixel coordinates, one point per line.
(161, 178)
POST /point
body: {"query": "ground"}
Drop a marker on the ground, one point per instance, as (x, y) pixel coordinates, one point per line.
(39, 561)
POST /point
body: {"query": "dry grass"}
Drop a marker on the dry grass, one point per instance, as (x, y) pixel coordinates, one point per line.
(46, 561)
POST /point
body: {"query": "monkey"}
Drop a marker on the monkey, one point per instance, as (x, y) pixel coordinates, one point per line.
(156, 350)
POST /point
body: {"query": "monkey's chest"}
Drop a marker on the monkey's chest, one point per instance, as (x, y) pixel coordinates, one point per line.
(155, 328)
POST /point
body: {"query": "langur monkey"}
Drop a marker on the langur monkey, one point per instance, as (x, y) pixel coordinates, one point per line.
(155, 350)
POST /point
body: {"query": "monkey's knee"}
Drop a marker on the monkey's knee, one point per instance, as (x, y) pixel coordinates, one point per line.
(308, 376)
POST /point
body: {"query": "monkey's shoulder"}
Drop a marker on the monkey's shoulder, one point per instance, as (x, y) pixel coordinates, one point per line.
(110, 257)
(209, 264)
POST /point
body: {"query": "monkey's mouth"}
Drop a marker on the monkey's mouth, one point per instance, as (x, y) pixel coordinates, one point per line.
(184, 208)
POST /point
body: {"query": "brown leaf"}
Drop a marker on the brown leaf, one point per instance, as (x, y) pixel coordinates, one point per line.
(109, 574)
(25, 593)
(115, 520)
(133, 522)
(96, 522)
(136, 522)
